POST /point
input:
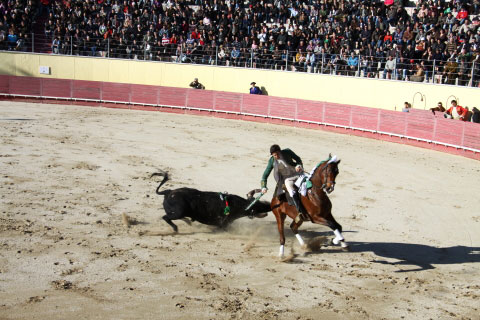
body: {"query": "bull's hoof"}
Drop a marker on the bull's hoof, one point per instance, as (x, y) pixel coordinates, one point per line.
(346, 249)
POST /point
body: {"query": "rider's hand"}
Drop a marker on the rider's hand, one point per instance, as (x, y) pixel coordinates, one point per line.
(264, 190)
(298, 168)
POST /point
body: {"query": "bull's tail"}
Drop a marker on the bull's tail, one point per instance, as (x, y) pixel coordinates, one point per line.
(165, 179)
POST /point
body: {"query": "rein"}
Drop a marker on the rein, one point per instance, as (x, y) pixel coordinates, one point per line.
(318, 165)
(324, 185)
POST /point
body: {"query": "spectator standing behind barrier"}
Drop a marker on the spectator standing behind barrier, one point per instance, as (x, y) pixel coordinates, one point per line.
(254, 89)
(456, 112)
(196, 85)
(475, 115)
(406, 107)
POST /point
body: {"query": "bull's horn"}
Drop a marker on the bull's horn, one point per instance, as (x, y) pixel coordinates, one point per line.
(161, 173)
(252, 192)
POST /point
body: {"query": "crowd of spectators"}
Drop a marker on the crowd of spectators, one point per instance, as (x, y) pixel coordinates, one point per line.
(16, 20)
(436, 40)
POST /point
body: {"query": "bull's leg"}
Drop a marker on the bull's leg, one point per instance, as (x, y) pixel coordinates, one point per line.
(294, 226)
(187, 221)
(169, 221)
(175, 209)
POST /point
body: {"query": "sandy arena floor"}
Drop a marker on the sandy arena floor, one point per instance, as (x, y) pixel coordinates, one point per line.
(68, 173)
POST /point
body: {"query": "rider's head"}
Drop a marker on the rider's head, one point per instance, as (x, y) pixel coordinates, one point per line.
(275, 150)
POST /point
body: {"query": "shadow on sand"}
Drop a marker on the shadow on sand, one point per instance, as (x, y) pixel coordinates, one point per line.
(420, 256)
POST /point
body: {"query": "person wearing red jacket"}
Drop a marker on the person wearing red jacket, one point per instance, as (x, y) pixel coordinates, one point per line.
(457, 112)
(462, 14)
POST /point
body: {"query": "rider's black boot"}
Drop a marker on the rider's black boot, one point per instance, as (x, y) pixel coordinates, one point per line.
(298, 204)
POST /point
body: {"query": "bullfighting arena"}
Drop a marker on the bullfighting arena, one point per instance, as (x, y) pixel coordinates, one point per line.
(69, 174)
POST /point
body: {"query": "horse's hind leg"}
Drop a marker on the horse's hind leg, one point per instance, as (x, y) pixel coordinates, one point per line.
(280, 217)
(294, 226)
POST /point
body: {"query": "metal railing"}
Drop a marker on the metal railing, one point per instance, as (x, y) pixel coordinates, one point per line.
(421, 126)
(460, 71)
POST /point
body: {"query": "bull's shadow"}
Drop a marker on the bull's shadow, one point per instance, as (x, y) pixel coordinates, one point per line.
(420, 255)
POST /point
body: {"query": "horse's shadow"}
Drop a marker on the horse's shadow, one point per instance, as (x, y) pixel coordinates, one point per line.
(420, 255)
(409, 254)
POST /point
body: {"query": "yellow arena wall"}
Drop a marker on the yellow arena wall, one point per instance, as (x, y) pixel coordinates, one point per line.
(383, 94)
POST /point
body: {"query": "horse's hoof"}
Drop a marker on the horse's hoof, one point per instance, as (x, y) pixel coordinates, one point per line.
(288, 258)
(345, 247)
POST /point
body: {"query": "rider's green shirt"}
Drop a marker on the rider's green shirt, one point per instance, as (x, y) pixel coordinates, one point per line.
(290, 158)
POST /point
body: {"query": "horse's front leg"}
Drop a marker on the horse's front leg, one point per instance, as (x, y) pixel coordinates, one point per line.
(337, 231)
(335, 226)
(280, 217)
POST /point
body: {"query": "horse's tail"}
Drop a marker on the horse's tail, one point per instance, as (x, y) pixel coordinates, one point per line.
(165, 179)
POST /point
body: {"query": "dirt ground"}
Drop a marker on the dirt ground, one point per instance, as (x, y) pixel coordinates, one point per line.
(68, 173)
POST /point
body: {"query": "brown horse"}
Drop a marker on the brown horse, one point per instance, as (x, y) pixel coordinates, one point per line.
(316, 204)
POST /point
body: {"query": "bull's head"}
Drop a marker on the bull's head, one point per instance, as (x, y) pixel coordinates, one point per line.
(256, 208)
(259, 209)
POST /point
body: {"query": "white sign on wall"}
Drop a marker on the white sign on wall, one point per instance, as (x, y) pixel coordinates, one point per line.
(44, 70)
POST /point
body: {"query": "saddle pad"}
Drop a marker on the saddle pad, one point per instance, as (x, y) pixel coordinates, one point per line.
(303, 183)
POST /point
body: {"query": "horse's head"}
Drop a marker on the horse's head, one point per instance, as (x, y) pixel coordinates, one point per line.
(326, 173)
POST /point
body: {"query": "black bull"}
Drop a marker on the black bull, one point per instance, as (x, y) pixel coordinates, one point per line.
(206, 207)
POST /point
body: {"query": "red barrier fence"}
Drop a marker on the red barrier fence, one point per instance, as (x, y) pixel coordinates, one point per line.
(418, 126)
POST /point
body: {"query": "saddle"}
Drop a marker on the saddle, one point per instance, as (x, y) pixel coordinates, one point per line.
(285, 197)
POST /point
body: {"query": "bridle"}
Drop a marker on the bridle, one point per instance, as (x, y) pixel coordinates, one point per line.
(322, 177)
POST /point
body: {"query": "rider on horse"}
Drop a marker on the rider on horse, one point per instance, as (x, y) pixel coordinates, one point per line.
(287, 168)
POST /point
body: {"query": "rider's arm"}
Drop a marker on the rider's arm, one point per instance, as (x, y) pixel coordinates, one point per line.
(292, 154)
(266, 173)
